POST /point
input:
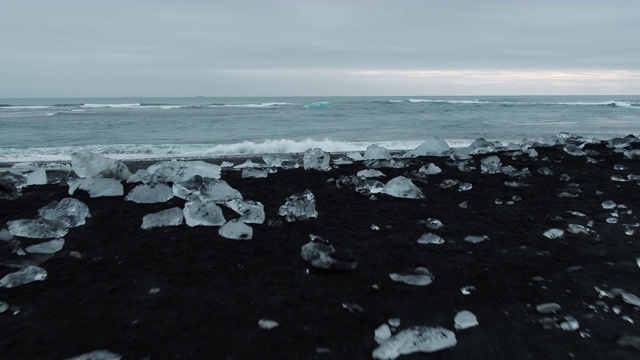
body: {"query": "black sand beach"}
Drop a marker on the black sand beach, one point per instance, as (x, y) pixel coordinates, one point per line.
(210, 292)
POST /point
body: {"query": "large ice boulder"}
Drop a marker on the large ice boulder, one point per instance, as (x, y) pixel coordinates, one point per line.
(376, 152)
(316, 159)
(87, 164)
(433, 145)
(415, 339)
(175, 171)
(402, 187)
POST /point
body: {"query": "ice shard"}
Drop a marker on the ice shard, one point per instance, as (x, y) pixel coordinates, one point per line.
(87, 164)
(433, 145)
(203, 214)
(150, 194)
(402, 187)
(301, 206)
(419, 276)
(236, 230)
(316, 159)
(168, 217)
(37, 229)
(376, 152)
(251, 212)
(97, 187)
(321, 255)
(37, 177)
(415, 339)
(70, 211)
(47, 247)
(24, 276)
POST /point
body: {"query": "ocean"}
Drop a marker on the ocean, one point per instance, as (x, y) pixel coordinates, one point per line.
(154, 128)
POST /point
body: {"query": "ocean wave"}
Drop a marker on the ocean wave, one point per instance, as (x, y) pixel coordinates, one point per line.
(118, 106)
(317, 105)
(260, 105)
(439, 101)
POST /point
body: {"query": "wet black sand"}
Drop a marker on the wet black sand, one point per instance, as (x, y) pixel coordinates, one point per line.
(213, 291)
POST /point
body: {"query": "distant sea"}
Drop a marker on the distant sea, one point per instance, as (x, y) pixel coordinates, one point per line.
(151, 128)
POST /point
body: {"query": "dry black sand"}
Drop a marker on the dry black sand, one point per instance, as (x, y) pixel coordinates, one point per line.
(213, 291)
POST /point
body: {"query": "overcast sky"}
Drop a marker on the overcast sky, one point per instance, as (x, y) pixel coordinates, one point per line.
(84, 48)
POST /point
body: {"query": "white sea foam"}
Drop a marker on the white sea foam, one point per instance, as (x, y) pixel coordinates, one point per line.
(439, 101)
(121, 106)
(260, 105)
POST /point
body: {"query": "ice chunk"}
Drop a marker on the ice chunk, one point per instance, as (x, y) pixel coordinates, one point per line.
(630, 298)
(415, 339)
(574, 149)
(355, 156)
(254, 173)
(97, 187)
(266, 324)
(382, 333)
(430, 238)
(251, 212)
(236, 230)
(48, 247)
(175, 171)
(608, 204)
(286, 161)
(321, 255)
(491, 165)
(11, 185)
(370, 173)
(545, 171)
(554, 233)
(370, 186)
(465, 186)
(570, 324)
(247, 164)
(474, 239)
(316, 159)
(577, 229)
(24, 276)
(37, 177)
(419, 276)
(430, 169)
(548, 308)
(433, 224)
(464, 320)
(482, 146)
(433, 145)
(150, 194)
(375, 152)
(142, 175)
(97, 355)
(203, 214)
(403, 188)
(37, 229)
(70, 211)
(3, 307)
(301, 206)
(168, 217)
(205, 189)
(87, 164)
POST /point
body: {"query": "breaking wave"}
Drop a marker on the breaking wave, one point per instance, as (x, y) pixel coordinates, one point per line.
(163, 151)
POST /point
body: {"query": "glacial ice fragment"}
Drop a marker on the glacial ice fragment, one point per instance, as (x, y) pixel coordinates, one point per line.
(97, 355)
(545, 171)
(3, 307)
(370, 173)
(87, 165)
(376, 152)
(554, 233)
(402, 187)
(433, 224)
(548, 308)
(205, 189)
(37, 229)
(569, 324)
(37, 177)
(11, 185)
(267, 324)
(430, 169)
(321, 255)
(608, 204)
(24, 276)
(465, 319)
(430, 238)
(316, 159)
(419, 276)
(251, 212)
(465, 186)
(415, 339)
(578, 229)
(47, 247)
(254, 173)
(175, 171)
(630, 298)
(168, 217)
(236, 230)
(97, 187)
(301, 206)
(382, 333)
(433, 145)
(370, 186)
(355, 156)
(482, 146)
(474, 239)
(70, 211)
(491, 165)
(203, 214)
(150, 194)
